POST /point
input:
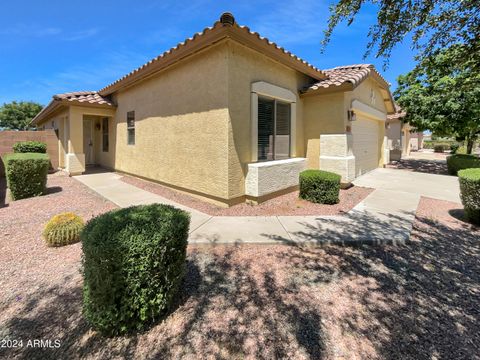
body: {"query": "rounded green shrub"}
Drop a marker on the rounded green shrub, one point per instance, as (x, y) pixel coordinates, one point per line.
(63, 229)
(320, 186)
(461, 161)
(133, 266)
(439, 148)
(30, 147)
(470, 193)
(26, 174)
(454, 148)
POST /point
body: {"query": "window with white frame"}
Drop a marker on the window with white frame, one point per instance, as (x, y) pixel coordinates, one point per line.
(274, 129)
(131, 128)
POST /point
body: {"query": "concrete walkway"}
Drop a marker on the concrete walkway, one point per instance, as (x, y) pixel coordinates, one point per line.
(385, 216)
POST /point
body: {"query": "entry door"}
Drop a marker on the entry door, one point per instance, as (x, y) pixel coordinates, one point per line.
(88, 141)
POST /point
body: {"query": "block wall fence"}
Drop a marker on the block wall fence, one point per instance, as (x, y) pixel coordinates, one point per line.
(9, 138)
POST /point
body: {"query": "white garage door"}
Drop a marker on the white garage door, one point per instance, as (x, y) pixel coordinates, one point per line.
(365, 145)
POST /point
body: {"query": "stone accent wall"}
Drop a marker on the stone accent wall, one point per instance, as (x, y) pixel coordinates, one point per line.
(9, 138)
(271, 176)
(336, 155)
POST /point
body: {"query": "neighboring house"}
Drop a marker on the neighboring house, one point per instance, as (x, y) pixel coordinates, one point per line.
(401, 137)
(228, 116)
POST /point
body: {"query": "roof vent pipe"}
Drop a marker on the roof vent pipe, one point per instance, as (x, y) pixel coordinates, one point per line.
(227, 19)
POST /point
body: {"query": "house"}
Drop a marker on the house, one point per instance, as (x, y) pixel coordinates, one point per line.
(401, 137)
(228, 116)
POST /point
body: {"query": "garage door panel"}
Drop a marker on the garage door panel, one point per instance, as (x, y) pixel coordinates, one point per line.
(365, 145)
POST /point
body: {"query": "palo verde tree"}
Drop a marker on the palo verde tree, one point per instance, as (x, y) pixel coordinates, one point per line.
(18, 115)
(443, 95)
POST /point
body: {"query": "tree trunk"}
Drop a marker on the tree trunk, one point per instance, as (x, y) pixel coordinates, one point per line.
(470, 141)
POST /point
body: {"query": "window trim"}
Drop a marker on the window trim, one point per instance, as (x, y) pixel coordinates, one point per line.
(265, 90)
(130, 128)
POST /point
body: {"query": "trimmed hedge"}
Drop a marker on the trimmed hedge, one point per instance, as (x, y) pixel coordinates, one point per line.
(30, 147)
(133, 266)
(63, 229)
(320, 186)
(470, 193)
(439, 148)
(461, 161)
(26, 174)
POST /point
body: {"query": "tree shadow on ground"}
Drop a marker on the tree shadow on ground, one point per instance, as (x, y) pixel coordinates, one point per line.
(413, 301)
(438, 167)
(429, 291)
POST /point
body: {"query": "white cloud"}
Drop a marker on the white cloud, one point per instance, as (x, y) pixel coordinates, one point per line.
(80, 35)
(36, 31)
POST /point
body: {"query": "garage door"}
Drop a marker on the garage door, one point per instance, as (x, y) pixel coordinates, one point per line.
(365, 145)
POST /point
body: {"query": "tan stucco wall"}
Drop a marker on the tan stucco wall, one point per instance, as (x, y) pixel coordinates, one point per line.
(181, 128)
(57, 121)
(246, 66)
(363, 93)
(323, 114)
(394, 134)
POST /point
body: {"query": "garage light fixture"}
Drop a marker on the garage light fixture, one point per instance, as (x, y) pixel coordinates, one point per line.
(351, 115)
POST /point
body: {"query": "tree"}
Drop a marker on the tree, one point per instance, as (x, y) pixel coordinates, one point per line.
(18, 115)
(443, 95)
(433, 24)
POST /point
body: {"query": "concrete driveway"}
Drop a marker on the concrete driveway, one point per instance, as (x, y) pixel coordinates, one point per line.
(401, 182)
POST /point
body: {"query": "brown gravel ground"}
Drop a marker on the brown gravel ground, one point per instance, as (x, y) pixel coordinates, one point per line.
(288, 204)
(417, 301)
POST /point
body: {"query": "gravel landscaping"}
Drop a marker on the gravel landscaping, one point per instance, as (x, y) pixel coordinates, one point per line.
(288, 204)
(416, 301)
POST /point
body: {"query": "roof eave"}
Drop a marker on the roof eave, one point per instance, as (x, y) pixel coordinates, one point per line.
(208, 38)
(347, 86)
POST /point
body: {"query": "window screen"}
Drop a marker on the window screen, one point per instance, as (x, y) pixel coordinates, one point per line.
(105, 134)
(273, 130)
(131, 128)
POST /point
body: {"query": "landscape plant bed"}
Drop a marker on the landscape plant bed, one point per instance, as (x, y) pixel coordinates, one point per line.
(287, 204)
(260, 301)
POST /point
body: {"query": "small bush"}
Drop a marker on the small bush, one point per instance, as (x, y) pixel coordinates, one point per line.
(470, 193)
(30, 147)
(63, 229)
(320, 186)
(454, 148)
(461, 150)
(26, 174)
(439, 148)
(461, 161)
(133, 265)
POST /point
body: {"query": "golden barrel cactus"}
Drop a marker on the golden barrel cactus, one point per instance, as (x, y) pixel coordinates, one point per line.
(63, 229)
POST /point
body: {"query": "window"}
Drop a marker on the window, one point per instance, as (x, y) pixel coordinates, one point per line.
(131, 128)
(273, 130)
(105, 134)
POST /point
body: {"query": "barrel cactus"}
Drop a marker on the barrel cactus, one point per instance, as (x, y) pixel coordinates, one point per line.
(63, 229)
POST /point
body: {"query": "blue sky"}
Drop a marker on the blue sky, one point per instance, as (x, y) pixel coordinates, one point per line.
(54, 46)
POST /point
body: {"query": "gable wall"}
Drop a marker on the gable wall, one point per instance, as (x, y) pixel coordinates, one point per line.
(181, 125)
(246, 66)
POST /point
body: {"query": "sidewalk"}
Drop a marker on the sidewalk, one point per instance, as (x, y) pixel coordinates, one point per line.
(385, 216)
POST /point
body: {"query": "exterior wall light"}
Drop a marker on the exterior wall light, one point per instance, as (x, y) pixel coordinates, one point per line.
(351, 115)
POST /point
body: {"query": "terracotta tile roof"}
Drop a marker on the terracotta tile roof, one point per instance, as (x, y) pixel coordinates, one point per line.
(84, 98)
(340, 75)
(225, 27)
(91, 97)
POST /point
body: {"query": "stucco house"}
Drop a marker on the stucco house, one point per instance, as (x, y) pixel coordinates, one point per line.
(401, 137)
(228, 116)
